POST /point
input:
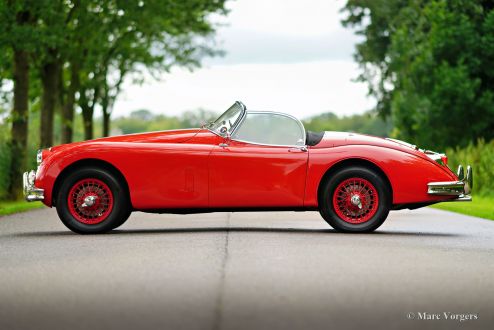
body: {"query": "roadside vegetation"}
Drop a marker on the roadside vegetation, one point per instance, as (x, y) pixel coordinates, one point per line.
(428, 63)
(481, 156)
(482, 206)
(10, 207)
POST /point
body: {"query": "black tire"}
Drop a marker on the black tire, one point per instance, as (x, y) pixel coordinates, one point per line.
(116, 216)
(327, 208)
(124, 219)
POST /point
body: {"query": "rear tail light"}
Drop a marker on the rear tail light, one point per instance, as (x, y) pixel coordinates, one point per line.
(437, 157)
(444, 158)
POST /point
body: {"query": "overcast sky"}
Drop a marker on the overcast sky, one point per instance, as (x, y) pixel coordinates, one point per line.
(282, 55)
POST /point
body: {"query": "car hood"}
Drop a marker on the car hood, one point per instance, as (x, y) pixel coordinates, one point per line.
(171, 136)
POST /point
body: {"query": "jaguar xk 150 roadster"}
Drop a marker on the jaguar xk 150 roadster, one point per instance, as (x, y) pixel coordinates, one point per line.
(243, 161)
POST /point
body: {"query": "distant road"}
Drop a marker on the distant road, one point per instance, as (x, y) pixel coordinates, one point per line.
(246, 271)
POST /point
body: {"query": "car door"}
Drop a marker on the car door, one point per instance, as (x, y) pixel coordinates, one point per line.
(263, 165)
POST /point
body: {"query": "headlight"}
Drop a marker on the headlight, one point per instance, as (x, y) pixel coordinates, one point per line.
(39, 156)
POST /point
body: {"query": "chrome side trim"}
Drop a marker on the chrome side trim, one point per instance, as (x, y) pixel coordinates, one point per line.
(403, 143)
(31, 193)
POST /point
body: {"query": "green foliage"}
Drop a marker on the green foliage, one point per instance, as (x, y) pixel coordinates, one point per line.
(10, 207)
(481, 157)
(4, 162)
(367, 123)
(429, 64)
(482, 206)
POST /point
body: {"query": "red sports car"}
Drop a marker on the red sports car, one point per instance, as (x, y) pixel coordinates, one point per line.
(244, 161)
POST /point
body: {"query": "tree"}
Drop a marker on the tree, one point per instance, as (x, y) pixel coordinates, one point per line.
(17, 36)
(375, 20)
(139, 37)
(48, 64)
(437, 60)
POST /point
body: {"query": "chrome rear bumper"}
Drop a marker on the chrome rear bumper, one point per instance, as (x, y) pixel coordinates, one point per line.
(461, 188)
(31, 193)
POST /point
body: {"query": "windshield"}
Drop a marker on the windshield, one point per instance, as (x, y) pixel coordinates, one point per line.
(227, 120)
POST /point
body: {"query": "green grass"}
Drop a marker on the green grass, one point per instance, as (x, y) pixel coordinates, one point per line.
(10, 207)
(481, 206)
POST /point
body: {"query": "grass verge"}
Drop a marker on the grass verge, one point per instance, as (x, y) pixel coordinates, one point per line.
(10, 207)
(481, 206)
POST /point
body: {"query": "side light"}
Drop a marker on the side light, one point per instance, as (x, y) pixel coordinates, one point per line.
(39, 157)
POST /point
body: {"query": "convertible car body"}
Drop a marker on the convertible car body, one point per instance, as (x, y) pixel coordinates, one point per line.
(244, 161)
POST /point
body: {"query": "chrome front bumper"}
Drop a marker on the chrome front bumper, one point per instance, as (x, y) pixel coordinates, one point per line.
(31, 193)
(461, 189)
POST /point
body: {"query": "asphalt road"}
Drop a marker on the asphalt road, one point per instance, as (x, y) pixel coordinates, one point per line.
(284, 270)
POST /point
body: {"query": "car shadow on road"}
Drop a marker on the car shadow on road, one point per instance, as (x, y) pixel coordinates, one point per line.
(238, 230)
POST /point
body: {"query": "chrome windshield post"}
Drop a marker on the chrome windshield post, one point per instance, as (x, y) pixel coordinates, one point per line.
(227, 139)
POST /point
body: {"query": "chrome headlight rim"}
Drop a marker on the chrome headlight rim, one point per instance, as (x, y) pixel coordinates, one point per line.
(31, 178)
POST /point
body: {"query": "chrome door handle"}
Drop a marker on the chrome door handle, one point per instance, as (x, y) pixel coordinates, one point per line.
(298, 149)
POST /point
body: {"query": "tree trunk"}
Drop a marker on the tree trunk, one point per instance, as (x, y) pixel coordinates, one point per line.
(87, 108)
(105, 107)
(18, 147)
(49, 81)
(69, 106)
(106, 122)
(87, 117)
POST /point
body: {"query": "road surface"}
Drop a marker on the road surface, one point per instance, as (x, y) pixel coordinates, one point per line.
(279, 270)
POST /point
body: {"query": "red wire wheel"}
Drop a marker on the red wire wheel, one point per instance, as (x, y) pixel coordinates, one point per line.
(355, 200)
(90, 201)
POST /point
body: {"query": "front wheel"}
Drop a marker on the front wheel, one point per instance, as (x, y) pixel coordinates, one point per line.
(91, 201)
(355, 199)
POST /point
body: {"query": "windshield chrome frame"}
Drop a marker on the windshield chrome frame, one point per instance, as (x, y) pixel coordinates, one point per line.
(266, 144)
(235, 124)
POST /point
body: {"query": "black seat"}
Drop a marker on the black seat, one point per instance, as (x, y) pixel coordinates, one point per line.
(314, 138)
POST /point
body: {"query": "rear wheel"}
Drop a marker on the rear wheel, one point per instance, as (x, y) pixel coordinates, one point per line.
(124, 219)
(91, 200)
(355, 199)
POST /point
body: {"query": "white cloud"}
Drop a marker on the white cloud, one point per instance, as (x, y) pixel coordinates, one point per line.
(288, 17)
(284, 55)
(301, 89)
